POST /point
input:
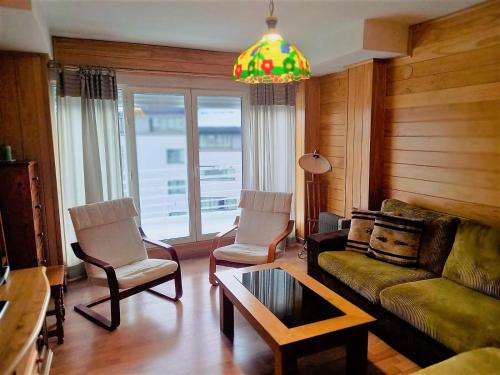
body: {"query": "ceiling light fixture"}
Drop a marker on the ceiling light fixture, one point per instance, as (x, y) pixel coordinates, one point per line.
(272, 59)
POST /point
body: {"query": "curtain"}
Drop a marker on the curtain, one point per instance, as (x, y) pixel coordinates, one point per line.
(269, 140)
(270, 148)
(88, 142)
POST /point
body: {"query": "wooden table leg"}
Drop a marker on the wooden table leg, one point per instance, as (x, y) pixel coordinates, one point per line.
(357, 353)
(58, 307)
(284, 363)
(226, 314)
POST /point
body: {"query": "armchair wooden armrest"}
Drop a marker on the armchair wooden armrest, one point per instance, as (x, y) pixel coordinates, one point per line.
(271, 254)
(108, 268)
(218, 238)
(164, 246)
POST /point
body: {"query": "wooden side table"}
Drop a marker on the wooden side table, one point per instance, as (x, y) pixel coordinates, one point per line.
(55, 275)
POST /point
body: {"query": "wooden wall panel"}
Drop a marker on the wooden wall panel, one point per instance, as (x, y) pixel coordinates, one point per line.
(143, 57)
(365, 136)
(332, 139)
(25, 124)
(442, 133)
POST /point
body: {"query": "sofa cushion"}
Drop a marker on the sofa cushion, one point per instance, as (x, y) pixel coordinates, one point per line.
(474, 260)
(396, 240)
(484, 361)
(244, 253)
(367, 276)
(138, 273)
(437, 236)
(458, 317)
(361, 229)
(264, 215)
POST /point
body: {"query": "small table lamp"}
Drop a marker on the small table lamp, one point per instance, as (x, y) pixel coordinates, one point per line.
(315, 164)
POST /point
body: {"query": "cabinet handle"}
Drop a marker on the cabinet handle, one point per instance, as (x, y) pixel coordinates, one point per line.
(38, 205)
(41, 234)
(36, 178)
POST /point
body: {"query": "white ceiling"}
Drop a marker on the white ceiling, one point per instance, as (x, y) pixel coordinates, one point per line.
(319, 28)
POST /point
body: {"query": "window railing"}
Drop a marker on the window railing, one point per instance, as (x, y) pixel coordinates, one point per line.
(221, 186)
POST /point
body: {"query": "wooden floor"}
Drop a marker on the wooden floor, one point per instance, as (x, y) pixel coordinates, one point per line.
(159, 337)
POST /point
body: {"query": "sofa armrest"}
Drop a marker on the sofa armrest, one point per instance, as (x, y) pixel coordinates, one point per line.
(319, 242)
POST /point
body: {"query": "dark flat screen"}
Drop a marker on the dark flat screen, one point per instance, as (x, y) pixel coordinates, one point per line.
(289, 300)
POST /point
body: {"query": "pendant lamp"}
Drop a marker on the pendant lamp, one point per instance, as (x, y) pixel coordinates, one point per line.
(272, 59)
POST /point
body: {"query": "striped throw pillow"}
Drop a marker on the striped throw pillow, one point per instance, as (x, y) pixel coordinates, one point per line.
(362, 222)
(396, 240)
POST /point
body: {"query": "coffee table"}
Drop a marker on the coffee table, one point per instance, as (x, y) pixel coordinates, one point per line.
(294, 314)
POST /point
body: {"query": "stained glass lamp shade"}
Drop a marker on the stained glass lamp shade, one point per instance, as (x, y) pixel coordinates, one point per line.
(271, 60)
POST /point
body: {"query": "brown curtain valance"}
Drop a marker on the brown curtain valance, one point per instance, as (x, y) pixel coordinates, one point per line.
(273, 94)
(87, 82)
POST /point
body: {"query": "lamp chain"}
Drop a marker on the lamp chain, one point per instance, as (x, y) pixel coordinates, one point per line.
(271, 8)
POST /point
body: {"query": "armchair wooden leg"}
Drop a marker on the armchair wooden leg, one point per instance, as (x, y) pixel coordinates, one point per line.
(178, 288)
(211, 271)
(100, 320)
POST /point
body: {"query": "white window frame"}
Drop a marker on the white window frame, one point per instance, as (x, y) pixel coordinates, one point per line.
(191, 91)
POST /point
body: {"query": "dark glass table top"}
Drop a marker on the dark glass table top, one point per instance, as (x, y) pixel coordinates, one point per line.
(293, 303)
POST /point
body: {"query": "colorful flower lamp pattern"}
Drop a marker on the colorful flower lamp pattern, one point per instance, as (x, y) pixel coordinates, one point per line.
(271, 60)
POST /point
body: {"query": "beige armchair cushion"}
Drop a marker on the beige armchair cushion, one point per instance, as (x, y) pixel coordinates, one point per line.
(264, 215)
(243, 253)
(107, 231)
(138, 273)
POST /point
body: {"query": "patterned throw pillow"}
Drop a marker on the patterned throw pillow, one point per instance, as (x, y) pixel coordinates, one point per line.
(396, 240)
(362, 222)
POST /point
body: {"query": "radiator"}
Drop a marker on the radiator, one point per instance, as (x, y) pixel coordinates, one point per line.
(328, 222)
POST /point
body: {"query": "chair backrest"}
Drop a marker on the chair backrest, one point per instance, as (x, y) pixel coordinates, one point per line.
(264, 215)
(107, 231)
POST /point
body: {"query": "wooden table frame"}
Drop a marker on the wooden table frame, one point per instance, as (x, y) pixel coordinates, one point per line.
(288, 344)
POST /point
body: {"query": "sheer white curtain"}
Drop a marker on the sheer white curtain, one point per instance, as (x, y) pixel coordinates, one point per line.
(269, 152)
(88, 151)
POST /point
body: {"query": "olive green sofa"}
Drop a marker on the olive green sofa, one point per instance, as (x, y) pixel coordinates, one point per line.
(449, 304)
(484, 361)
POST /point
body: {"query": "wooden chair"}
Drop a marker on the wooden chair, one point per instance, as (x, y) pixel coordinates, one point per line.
(112, 247)
(261, 231)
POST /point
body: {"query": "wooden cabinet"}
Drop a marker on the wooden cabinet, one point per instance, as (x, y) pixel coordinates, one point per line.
(22, 214)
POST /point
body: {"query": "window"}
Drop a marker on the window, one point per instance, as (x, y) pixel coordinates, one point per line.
(218, 204)
(176, 187)
(175, 156)
(186, 161)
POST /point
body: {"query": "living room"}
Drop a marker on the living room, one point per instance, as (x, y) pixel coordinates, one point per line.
(325, 173)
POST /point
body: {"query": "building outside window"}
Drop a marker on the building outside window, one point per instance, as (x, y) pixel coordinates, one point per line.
(175, 156)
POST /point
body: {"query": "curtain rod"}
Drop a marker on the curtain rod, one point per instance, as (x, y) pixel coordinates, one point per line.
(54, 64)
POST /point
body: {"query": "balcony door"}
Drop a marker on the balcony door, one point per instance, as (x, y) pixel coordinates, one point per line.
(184, 160)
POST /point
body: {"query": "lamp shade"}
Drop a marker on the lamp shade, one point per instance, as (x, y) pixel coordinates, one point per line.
(315, 163)
(271, 60)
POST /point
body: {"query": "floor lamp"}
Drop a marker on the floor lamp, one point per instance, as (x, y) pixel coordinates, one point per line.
(315, 164)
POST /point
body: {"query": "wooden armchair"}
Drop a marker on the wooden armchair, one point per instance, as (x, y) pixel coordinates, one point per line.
(112, 247)
(261, 232)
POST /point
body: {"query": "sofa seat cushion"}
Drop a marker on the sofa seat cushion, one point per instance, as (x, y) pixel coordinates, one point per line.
(243, 253)
(138, 273)
(474, 260)
(484, 361)
(365, 275)
(458, 317)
